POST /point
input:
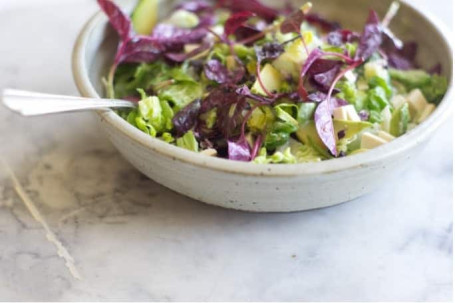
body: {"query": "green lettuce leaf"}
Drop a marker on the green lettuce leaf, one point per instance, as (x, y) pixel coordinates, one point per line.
(278, 157)
(188, 141)
(304, 153)
(381, 82)
(181, 94)
(305, 112)
(350, 93)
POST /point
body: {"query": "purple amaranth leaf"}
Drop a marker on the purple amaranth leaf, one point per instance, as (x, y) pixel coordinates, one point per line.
(245, 91)
(324, 24)
(229, 108)
(313, 56)
(323, 81)
(253, 6)
(324, 126)
(322, 73)
(235, 21)
(118, 20)
(195, 6)
(186, 118)
(173, 38)
(396, 61)
(138, 49)
(239, 151)
(257, 146)
(403, 58)
(387, 33)
(214, 70)
(322, 65)
(319, 97)
(371, 38)
(292, 22)
(341, 36)
(248, 34)
(180, 57)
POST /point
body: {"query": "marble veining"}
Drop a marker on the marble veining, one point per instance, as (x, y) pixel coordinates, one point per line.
(132, 239)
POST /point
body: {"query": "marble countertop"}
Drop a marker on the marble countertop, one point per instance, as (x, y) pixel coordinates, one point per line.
(127, 238)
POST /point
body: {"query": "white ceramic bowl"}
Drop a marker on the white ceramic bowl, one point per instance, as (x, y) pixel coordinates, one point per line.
(269, 188)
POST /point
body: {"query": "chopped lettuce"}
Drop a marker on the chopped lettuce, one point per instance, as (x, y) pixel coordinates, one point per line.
(153, 116)
(188, 141)
(305, 112)
(304, 153)
(181, 94)
(350, 93)
(285, 157)
(283, 127)
(167, 137)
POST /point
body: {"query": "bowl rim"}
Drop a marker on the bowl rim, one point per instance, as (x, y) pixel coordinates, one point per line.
(406, 142)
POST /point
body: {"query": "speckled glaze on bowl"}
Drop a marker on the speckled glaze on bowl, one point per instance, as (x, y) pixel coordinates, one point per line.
(269, 188)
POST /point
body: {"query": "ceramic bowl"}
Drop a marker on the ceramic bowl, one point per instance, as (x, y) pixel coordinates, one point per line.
(270, 188)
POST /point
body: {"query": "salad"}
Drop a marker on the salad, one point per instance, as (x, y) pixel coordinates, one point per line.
(240, 80)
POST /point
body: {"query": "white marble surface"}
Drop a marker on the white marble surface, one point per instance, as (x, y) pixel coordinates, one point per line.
(133, 239)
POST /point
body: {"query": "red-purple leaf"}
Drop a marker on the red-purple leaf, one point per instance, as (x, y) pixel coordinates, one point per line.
(323, 81)
(323, 65)
(229, 109)
(341, 36)
(245, 91)
(293, 22)
(214, 70)
(371, 37)
(186, 118)
(400, 58)
(324, 24)
(239, 151)
(180, 57)
(119, 21)
(138, 49)
(319, 97)
(247, 34)
(173, 38)
(253, 6)
(256, 146)
(324, 126)
(235, 21)
(314, 55)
